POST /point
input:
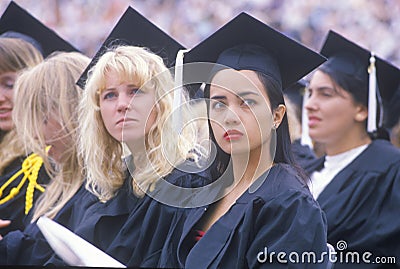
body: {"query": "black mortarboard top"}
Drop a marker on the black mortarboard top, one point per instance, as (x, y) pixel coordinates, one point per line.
(16, 22)
(349, 58)
(135, 30)
(247, 43)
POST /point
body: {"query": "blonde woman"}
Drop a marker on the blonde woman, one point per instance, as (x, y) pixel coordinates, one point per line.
(24, 45)
(15, 56)
(128, 98)
(48, 117)
(24, 42)
(50, 91)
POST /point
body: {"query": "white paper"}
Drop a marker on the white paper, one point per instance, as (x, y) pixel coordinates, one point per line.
(74, 250)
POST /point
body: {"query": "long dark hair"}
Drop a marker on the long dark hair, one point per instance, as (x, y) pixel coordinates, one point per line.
(283, 152)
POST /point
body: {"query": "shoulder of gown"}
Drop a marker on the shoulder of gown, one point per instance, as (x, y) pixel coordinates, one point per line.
(302, 154)
(143, 236)
(361, 202)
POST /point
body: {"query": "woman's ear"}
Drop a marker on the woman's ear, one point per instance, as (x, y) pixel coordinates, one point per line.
(361, 113)
(279, 113)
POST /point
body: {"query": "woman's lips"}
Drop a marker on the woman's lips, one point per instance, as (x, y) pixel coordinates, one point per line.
(312, 121)
(124, 121)
(232, 135)
(5, 113)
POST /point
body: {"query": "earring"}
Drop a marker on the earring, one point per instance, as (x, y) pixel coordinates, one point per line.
(274, 126)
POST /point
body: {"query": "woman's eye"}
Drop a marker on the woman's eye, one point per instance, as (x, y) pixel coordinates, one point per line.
(8, 85)
(248, 102)
(109, 95)
(136, 91)
(218, 105)
(327, 93)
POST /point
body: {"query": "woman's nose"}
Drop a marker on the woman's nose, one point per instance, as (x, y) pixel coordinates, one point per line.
(231, 116)
(310, 102)
(123, 103)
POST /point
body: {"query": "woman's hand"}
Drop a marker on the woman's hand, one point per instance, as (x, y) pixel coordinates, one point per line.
(4, 223)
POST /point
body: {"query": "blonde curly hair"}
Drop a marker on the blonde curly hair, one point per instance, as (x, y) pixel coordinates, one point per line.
(164, 148)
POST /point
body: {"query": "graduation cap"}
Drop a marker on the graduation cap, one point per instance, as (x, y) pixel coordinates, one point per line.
(247, 43)
(382, 77)
(135, 30)
(16, 22)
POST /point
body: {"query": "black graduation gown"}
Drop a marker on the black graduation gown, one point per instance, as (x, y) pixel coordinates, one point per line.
(14, 209)
(101, 222)
(362, 205)
(29, 247)
(302, 154)
(14, 165)
(142, 238)
(281, 215)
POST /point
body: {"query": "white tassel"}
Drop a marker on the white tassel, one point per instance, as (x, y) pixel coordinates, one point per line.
(371, 125)
(178, 90)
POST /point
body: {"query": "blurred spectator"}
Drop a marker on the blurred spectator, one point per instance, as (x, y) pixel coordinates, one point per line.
(372, 24)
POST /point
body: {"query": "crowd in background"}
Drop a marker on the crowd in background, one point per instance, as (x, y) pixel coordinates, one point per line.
(374, 24)
(173, 202)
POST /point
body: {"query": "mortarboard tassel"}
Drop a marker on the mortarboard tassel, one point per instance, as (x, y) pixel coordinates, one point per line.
(176, 116)
(371, 125)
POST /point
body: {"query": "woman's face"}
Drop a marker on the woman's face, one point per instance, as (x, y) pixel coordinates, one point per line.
(240, 113)
(7, 81)
(55, 137)
(332, 114)
(128, 113)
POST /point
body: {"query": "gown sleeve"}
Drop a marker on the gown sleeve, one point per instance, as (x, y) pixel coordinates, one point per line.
(29, 247)
(143, 237)
(24, 248)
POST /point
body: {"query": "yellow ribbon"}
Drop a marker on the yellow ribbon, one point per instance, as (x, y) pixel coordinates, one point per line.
(30, 168)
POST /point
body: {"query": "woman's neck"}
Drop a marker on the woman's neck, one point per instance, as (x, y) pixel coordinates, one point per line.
(248, 167)
(345, 143)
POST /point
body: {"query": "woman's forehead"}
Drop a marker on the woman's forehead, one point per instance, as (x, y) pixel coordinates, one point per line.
(234, 79)
(240, 83)
(120, 77)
